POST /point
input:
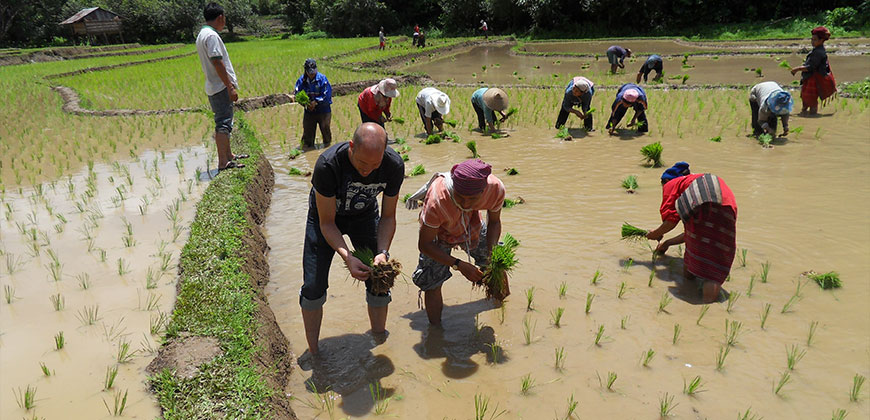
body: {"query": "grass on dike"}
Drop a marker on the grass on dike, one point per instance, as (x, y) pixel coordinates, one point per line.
(216, 300)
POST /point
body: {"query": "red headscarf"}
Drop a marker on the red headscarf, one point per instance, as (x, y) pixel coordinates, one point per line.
(822, 32)
(469, 177)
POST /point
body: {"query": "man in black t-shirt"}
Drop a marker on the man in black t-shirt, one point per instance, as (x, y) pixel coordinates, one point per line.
(347, 180)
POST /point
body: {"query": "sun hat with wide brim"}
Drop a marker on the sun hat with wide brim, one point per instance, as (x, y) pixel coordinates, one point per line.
(388, 88)
(631, 95)
(582, 83)
(780, 103)
(495, 99)
(441, 102)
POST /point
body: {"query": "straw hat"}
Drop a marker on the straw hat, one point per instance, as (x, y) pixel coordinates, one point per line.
(441, 102)
(495, 99)
(388, 88)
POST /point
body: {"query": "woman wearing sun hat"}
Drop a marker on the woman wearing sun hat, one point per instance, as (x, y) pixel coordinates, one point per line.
(817, 79)
(629, 95)
(767, 101)
(578, 93)
(486, 102)
(433, 105)
(374, 102)
(708, 210)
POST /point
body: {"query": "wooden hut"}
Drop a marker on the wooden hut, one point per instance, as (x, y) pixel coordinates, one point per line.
(95, 21)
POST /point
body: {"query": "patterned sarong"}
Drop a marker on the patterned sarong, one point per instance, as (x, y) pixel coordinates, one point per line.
(818, 87)
(710, 230)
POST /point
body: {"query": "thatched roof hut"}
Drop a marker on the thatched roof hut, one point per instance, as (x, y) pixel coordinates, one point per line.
(94, 21)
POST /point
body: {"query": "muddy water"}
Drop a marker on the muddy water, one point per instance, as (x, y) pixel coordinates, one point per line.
(569, 228)
(126, 303)
(679, 47)
(467, 67)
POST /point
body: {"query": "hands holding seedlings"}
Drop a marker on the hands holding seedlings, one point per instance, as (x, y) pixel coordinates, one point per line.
(358, 269)
(470, 271)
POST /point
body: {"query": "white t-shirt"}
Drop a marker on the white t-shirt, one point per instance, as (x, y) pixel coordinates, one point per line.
(210, 45)
(426, 100)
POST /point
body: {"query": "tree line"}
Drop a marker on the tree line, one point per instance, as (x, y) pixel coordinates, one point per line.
(35, 22)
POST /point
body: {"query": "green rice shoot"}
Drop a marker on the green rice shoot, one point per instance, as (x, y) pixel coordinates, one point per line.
(829, 280)
(501, 263)
(302, 98)
(652, 154)
(451, 123)
(563, 132)
(472, 146)
(632, 232)
(417, 170)
(630, 183)
(367, 256)
(399, 120)
(433, 139)
(511, 111)
(513, 171)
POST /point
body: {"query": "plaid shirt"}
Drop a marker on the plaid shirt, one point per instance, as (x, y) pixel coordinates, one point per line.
(319, 90)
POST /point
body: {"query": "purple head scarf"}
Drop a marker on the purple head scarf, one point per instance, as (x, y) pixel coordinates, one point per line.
(469, 177)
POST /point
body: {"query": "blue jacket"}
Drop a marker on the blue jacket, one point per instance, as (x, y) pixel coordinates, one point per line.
(318, 90)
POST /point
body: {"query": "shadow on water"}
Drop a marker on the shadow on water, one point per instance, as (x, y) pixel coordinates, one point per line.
(670, 269)
(457, 339)
(577, 133)
(628, 133)
(347, 366)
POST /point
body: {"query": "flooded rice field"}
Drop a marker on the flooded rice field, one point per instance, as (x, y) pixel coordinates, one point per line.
(680, 47)
(803, 205)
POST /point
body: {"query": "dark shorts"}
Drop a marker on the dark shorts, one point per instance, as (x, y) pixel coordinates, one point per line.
(612, 57)
(431, 274)
(365, 118)
(317, 256)
(435, 115)
(222, 107)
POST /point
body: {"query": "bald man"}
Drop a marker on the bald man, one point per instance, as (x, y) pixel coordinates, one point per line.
(347, 180)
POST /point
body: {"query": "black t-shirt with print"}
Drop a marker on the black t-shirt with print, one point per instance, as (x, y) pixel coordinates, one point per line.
(335, 176)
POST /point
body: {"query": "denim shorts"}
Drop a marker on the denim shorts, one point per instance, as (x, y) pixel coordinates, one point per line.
(612, 58)
(431, 274)
(222, 107)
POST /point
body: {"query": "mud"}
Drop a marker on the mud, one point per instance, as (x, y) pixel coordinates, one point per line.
(184, 356)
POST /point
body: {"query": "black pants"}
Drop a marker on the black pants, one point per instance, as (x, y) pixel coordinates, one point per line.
(563, 118)
(619, 111)
(481, 120)
(365, 118)
(756, 125)
(435, 116)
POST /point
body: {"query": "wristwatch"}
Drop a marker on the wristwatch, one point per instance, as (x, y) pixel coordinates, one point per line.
(455, 265)
(386, 253)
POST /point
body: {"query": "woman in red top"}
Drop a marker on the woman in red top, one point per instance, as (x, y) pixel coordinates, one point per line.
(708, 211)
(374, 102)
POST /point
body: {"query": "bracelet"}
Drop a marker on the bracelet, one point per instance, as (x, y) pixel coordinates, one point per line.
(386, 253)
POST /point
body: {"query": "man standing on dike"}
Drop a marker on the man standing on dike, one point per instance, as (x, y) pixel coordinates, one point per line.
(347, 180)
(319, 110)
(220, 82)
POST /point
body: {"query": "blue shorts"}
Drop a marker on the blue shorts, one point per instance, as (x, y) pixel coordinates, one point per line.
(222, 107)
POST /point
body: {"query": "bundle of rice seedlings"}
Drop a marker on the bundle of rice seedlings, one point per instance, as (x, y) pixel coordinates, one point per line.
(764, 140)
(418, 170)
(432, 139)
(399, 120)
(632, 232)
(302, 98)
(511, 111)
(383, 275)
(630, 183)
(508, 203)
(590, 111)
(717, 139)
(472, 145)
(452, 135)
(563, 132)
(829, 280)
(496, 135)
(784, 64)
(512, 171)
(451, 123)
(501, 263)
(652, 153)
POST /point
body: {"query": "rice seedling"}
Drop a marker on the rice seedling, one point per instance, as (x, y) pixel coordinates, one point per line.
(102, 255)
(632, 232)
(563, 289)
(83, 280)
(720, 358)
(472, 146)
(732, 299)
(59, 340)
(758, 72)
(302, 98)
(292, 154)
(627, 265)
(57, 302)
(481, 407)
(829, 280)
(630, 183)
(784, 379)
(812, 333)
(733, 329)
(666, 405)
(646, 357)
(25, 398)
(764, 140)
(379, 398)
(685, 78)
(818, 134)
(563, 133)
(526, 384)
(623, 322)
(45, 370)
(118, 405)
(589, 298)
(530, 297)
(13, 263)
(784, 64)
(608, 382)
(9, 293)
(793, 355)
(89, 315)
(560, 358)
(599, 335)
(512, 171)
(839, 414)
(432, 139)
(751, 285)
(749, 415)
(123, 267)
(124, 354)
(765, 311)
(855, 391)
(157, 322)
(664, 301)
(677, 330)
(501, 314)
(717, 139)
(556, 316)
(405, 157)
(765, 270)
(693, 387)
(399, 120)
(495, 351)
(417, 170)
(109, 379)
(652, 154)
(528, 329)
(703, 312)
(451, 123)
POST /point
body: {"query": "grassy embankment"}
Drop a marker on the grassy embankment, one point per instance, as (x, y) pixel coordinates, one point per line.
(218, 297)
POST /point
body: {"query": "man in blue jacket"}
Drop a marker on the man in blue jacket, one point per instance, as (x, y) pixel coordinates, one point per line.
(319, 110)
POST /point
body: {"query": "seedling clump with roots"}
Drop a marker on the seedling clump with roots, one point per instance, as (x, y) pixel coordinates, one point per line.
(829, 280)
(652, 154)
(501, 263)
(472, 146)
(632, 232)
(383, 275)
(630, 183)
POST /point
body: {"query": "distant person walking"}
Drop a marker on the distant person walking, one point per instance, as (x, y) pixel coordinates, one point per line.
(817, 79)
(374, 102)
(347, 180)
(319, 110)
(616, 56)
(421, 40)
(486, 102)
(767, 101)
(220, 83)
(433, 105)
(654, 62)
(381, 39)
(416, 35)
(708, 210)
(485, 28)
(578, 93)
(633, 96)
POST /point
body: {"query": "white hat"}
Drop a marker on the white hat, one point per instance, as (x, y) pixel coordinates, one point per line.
(581, 83)
(441, 102)
(388, 88)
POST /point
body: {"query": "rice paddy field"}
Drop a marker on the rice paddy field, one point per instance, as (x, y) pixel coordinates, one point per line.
(95, 210)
